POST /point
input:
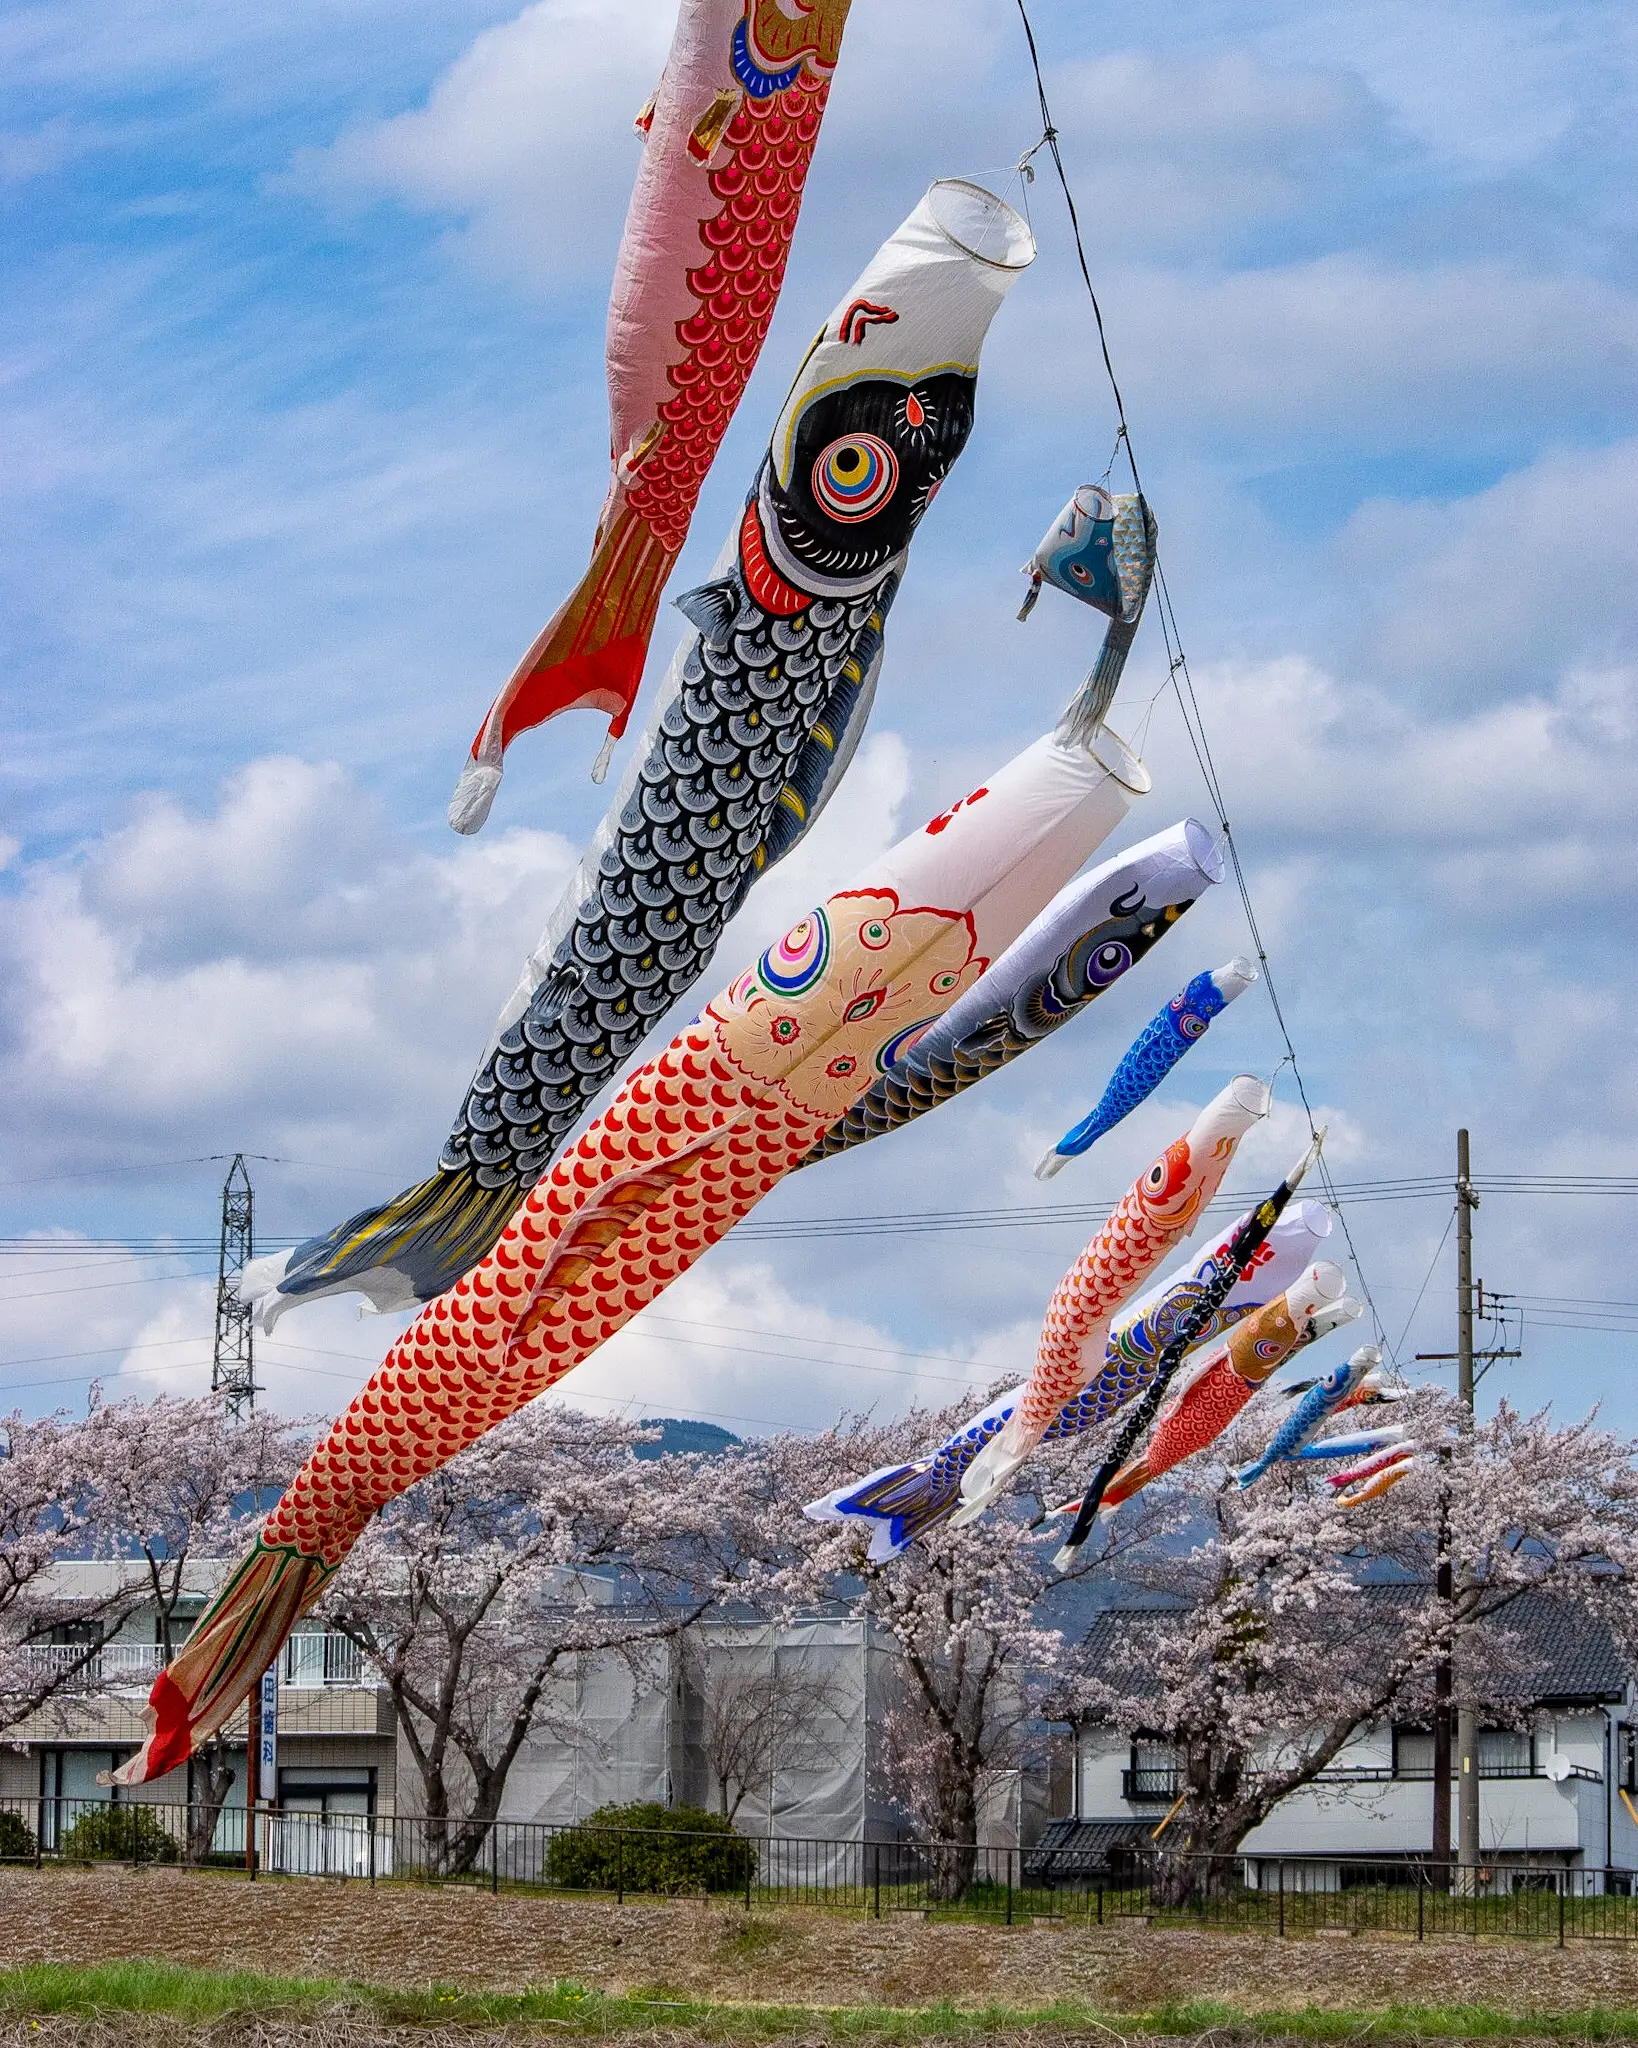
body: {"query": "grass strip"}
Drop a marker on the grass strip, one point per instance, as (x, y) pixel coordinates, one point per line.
(200, 1997)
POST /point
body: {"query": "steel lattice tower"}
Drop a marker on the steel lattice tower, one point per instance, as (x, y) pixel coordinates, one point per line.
(233, 1363)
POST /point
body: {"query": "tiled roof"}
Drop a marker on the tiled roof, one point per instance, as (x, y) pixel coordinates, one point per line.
(1080, 1848)
(1564, 1653)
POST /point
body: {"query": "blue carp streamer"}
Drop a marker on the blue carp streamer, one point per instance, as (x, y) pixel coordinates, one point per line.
(1312, 1412)
(1151, 1057)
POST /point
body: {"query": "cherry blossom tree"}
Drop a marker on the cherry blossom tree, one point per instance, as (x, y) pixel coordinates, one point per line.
(1271, 1655)
(151, 1486)
(181, 1481)
(477, 1593)
(968, 1611)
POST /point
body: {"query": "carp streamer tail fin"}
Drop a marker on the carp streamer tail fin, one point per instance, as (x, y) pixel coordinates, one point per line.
(195, 1697)
(407, 1250)
(589, 657)
(902, 1500)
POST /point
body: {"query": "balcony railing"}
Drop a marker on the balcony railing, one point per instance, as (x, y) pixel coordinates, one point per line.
(306, 1661)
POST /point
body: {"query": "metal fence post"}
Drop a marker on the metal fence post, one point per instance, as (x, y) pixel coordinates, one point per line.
(876, 1903)
(136, 1839)
(494, 1858)
(750, 1868)
(1563, 1887)
(1421, 1893)
(620, 1868)
(1100, 1901)
(1282, 1895)
(372, 1852)
(1008, 1854)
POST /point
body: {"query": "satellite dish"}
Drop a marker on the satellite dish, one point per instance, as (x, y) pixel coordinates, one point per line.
(1558, 1767)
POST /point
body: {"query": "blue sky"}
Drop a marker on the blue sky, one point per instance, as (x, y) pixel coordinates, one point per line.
(301, 392)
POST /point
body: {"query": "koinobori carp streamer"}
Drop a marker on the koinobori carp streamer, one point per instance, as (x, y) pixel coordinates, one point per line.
(728, 137)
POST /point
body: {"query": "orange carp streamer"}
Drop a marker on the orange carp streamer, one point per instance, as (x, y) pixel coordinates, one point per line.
(691, 1142)
(1161, 1207)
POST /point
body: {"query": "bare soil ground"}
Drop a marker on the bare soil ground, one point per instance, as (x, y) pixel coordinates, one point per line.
(404, 1936)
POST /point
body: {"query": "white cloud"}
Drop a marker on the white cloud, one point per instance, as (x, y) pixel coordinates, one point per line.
(522, 139)
(284, 975)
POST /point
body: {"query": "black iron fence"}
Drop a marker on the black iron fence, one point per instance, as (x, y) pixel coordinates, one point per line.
(1281, 1896)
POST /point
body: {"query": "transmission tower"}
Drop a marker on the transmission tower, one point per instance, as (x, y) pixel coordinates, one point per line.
(233, 1363)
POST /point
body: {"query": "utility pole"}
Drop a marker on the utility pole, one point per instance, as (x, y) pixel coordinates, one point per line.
(233, 1361)
(1467, 1719)
(1440, 1872)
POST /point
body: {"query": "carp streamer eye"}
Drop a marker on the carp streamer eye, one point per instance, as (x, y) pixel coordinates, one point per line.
(855, 477)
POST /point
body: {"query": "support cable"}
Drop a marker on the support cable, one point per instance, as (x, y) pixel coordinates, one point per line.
(1181, 681)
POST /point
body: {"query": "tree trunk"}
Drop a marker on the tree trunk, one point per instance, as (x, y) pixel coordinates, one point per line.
(213, 1779)
(952, 1857)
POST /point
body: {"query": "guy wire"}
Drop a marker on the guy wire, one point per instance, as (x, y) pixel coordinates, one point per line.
(1182, 682)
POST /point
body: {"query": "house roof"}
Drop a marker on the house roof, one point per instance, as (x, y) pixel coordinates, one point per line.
(1080, 1848)
(1564, 1653)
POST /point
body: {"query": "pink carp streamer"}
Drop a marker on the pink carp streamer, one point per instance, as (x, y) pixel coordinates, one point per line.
(690, 1143)
(1161, 1207)
(729, 135)
(1225, 1380)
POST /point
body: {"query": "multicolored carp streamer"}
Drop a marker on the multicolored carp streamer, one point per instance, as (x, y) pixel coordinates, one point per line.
(1199, 1410)
(1101, 549)
(762, 710)
(1091, 934)
(1367, 1468)
(1162, 1205)
(1151, 1057)
(1311, 1413)
(1370, 1482)
(728, 137)
(1249, 1238)
(691, 1141)
(902, 1502)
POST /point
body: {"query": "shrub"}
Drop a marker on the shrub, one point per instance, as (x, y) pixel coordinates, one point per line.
(118, 1834)
(649, 1848)
(16, 1843)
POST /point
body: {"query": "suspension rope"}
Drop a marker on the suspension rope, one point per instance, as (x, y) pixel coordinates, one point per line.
(1182, 683)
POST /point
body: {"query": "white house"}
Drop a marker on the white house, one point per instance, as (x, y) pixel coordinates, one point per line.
(1558, 1793)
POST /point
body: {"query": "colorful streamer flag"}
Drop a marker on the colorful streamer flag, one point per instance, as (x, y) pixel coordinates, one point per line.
(1311, 1413)
(900, 1503)
(690, 1142)
(761, 713)
(1152, 1056)
(1367, 1468)
(1093, 932)
(1202, 1408)
(1247, 1242)
(1161, 1207)
(1381, 1476)
(1101, 549)
(728, 137)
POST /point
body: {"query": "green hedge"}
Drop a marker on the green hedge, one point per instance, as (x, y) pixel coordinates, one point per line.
(117, 1834)
(16, 1842)
(650, 1848)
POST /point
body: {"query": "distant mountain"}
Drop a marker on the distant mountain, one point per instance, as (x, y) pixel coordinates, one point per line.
(677, 1436)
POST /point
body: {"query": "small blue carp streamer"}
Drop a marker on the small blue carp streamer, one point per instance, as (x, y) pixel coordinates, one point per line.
(1100, 549)
(1151, 1057)
(1311, 1414)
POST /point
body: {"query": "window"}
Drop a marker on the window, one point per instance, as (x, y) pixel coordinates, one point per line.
(1413, 1752)
(1629, 1757)
(1152, 1773)
(68, 1788)
(1505, 1753)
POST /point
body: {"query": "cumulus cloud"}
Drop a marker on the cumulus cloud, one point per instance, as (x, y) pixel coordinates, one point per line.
(522, 140)
(286, 968)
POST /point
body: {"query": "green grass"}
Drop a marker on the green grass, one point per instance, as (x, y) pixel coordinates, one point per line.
(200, 1997)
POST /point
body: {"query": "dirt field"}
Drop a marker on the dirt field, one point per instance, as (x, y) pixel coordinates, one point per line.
(403, 1936)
